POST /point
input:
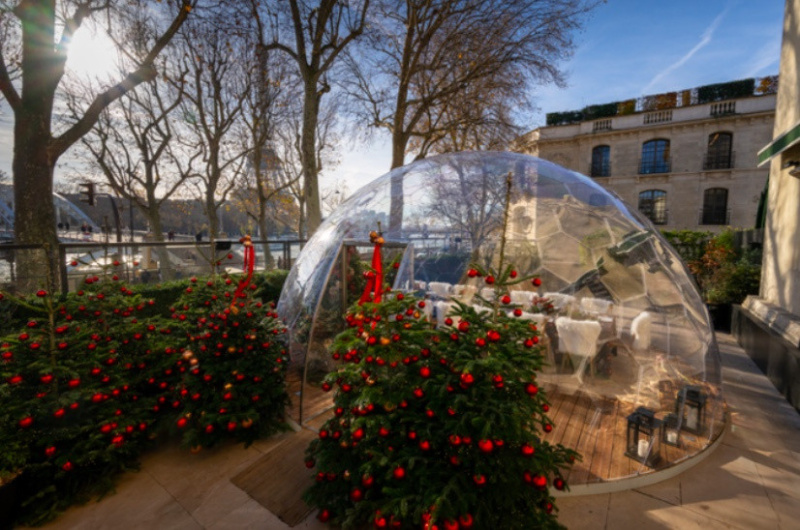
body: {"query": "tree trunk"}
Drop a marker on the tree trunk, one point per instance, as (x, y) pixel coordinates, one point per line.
(396, 196)
(34, 221)
(309, 154)
(164, 262)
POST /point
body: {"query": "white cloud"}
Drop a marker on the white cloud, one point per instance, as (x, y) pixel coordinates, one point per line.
(705, 39)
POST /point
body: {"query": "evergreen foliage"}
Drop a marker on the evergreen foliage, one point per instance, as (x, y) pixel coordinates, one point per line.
(437, 427)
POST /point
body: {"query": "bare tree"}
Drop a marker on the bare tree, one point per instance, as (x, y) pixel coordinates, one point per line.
(215, 92)
(319, 32)
(424, 54)
(32, 66)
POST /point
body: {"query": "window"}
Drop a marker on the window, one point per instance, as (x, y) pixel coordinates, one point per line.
(655, 157)
(719, 155)
(715, 206)
(601, 161)
(653, 205)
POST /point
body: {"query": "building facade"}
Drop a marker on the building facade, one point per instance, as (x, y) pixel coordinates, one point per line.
(686, 160)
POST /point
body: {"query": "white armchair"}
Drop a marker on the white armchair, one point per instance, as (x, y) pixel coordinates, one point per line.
(640, 331)
(561, 302)
(578, 338)
(439, 289)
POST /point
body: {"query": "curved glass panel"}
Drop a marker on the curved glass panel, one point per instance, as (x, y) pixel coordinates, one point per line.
(631, 354)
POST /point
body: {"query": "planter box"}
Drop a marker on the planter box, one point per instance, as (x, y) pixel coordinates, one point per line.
(9, 503)
(720, 316)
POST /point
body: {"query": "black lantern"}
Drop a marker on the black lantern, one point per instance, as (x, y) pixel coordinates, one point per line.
(644, 437)
(671, 431)
(691, 408)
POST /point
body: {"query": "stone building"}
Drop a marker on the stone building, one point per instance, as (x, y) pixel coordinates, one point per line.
(687, 159)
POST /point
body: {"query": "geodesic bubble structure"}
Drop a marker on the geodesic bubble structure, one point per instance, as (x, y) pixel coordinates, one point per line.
(633, 369)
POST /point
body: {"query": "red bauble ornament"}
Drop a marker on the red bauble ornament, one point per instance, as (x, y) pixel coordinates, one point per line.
(419, 393)
(326, 386)
(59, 413)
(486, 446)
(528, 450)
(472, 273)
(50, 451)
(467, 379)
(448, 321)
(531, 389)
(383, 431)
(309, 463)
(548, 507)
(479, 480)
(466, 521)
(367, 481)
(558, 483)
(358, 434)
(497, 381)
(454, 439)
(548, 427)
(15, 380)
(425, 372)
(450, 525)
(537, 282)
(209, 429)
(26, 422)
(232, 425)
(181, 423)
(506, 299)
(324, 515)
(480, 341)
(546, 407)
(540, 481)
(425, 445)
(41, 293)
(67, 466)
(356, 494)
(399, 473)
(463, 326)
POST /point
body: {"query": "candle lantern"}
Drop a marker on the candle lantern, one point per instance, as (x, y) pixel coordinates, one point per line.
(643, 437)
(671, 431)
(691, 408)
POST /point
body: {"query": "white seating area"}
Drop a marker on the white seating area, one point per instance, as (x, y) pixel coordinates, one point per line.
(584, 325)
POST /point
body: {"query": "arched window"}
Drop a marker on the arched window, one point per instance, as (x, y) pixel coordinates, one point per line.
(601, 161)
(655, 157)
(715, 206)
(653, 205)
(719, 154)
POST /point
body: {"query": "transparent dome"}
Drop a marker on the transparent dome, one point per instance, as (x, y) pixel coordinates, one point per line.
(633, 369)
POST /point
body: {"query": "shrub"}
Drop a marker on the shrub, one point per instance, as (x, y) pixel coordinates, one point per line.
(436, 427)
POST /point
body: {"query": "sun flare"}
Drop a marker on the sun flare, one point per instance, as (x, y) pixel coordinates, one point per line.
(92, 54)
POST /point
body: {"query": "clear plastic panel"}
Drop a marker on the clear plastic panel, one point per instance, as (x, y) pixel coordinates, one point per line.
(599, 261)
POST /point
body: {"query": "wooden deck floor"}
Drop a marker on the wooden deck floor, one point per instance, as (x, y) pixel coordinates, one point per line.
(595, 427)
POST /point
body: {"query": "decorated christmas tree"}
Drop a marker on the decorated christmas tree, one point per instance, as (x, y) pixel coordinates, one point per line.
(234, 367)
(77, 404)
(440, 427)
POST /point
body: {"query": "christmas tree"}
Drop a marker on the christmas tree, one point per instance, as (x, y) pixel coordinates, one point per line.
(438, 428)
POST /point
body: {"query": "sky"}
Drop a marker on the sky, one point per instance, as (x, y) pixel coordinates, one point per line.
(632, 48)
(627, 49)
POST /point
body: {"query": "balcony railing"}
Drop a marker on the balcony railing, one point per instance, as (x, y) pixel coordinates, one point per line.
(659, 116)
(723, 108)
(650, 166)
(601, 125)
(711, 215)
(713, 161)
(600, 169)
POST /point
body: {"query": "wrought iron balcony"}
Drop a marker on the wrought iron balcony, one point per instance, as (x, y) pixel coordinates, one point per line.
(650, 166)
(712, 161)
(711, 215)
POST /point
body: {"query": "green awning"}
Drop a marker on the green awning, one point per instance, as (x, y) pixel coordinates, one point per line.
(779, 145)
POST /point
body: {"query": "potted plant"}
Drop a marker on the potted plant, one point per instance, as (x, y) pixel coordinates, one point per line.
(726, 275)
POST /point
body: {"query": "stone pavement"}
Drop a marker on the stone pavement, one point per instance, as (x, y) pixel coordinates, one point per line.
(751, 481)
